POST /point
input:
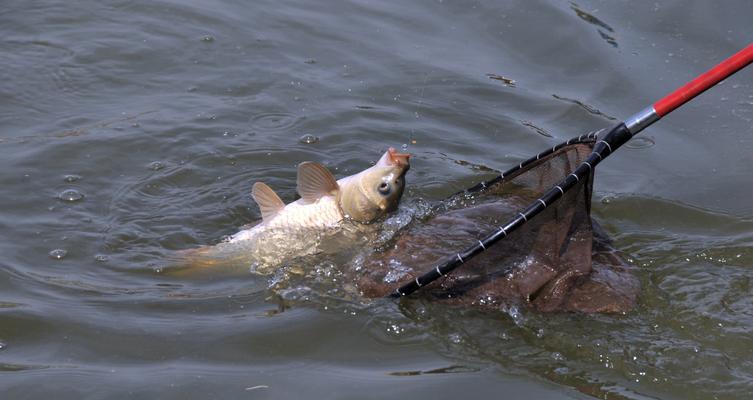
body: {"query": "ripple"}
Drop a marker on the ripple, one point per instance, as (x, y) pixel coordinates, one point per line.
(640, 142)
(591, 109)
(537, 129)
(601, 27)
(452, 369)
(5, 367)
(274, 121)
(36, 56)
(505, 81)
(70, 195)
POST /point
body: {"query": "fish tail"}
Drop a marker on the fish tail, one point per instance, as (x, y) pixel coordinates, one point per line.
(194, 262)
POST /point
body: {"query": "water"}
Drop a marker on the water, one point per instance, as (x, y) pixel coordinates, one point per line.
(129, 129)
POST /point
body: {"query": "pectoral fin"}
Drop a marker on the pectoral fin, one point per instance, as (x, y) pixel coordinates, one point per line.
(315, 181)
(269, 202)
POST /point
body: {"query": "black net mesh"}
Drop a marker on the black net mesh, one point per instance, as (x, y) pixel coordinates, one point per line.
(558, 261)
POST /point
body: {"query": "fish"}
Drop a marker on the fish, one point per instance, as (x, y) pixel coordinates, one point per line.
(326, 206)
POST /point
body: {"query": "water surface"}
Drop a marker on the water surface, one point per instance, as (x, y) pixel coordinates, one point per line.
(129, 129)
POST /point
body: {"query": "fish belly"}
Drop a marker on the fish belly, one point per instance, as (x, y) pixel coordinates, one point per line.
(293, 232)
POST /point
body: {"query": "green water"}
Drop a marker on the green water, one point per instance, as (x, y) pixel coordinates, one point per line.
(132, 128)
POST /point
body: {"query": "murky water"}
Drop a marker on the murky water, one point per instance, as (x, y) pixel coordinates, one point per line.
(132, 128)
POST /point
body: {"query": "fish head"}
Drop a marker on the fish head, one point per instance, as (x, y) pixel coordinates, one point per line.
(376, 191)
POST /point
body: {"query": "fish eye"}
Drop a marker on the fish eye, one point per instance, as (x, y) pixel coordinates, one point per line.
(384, 188)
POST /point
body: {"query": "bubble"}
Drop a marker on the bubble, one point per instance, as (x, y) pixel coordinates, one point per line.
(101, 258)
(308, 139)
(70, 195)
(156, 165)
(72, 178)
(58, 254)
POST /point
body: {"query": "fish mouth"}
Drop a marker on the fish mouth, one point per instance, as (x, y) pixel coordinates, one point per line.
(394, 159)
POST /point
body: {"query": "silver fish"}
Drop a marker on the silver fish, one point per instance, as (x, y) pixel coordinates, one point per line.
(299, 228)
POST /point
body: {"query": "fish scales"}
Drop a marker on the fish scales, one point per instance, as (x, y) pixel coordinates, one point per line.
(295, 229)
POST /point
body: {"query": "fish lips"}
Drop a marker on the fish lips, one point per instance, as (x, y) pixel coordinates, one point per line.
(394, 159)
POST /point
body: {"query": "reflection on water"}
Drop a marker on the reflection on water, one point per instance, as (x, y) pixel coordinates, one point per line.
(130, 130)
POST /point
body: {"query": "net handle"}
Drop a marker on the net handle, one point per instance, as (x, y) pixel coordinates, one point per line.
(604, 146)
(690, 90)
(704, 81)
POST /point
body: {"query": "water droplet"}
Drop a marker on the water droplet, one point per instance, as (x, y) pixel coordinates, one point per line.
(58, 254)
(308, 139)
(404, 146)
(70, 195)
(455, 338)
(156, 165)
(71, 178)
(101, 258)
(3, 346)
(208, 39)
(395, 329)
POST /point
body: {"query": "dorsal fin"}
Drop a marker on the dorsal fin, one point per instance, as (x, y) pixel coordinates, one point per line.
(269, 202)
(315, 181)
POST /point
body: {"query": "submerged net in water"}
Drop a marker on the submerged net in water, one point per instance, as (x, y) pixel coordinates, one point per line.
(559, 261)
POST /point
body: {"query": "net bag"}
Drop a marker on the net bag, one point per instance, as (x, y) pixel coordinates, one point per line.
(559, 261)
